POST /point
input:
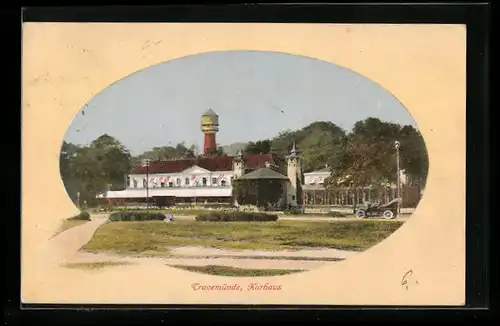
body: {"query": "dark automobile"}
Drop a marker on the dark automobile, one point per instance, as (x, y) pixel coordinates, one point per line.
(388, 210)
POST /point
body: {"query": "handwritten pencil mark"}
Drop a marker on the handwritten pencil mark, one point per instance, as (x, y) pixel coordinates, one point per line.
(407, 277)
(148, 44)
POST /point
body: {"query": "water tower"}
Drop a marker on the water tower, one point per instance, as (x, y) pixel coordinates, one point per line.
(209, 126)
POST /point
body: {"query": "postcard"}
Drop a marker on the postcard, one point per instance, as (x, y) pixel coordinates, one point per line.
(243, 163)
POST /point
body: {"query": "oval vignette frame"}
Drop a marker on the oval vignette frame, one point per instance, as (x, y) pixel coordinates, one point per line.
(302, 57)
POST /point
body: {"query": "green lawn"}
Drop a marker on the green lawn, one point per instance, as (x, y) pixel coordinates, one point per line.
(95, 265)
(155, 237)
(234, 271)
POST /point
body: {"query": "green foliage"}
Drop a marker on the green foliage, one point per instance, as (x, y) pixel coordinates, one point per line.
(176, 211)
(335, 214)
(235, 271)
(316, 142)
(294, 211)
(91, 170)
(367, 155)
(236, 217)
(215, 152)
(258, 147)
(95, 265)
(135, 216)
(260, 192)
(83, 216)
(165, 152)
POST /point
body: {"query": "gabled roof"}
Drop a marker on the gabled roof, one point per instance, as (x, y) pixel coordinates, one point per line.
(211, 163)
(194, 168)
(263, 173)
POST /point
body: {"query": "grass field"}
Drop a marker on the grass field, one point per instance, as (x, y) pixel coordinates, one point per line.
(234, 271)
(68, 224)
(156, 237)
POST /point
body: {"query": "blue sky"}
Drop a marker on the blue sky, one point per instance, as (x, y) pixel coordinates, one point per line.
(256, 95)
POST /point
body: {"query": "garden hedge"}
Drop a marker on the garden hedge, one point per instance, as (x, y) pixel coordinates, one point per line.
(335, 214)
(236, 217)
(83, 216)
(136, 216)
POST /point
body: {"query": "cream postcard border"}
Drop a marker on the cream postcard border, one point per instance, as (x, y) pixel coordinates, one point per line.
(65, 64)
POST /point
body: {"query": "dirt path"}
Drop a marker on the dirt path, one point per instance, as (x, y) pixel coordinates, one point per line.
(68, 243)
(311, 253)
(248, 263)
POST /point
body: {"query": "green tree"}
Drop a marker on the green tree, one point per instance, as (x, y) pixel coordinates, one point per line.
(414, 156)
(353, 167)
(113, 160)
(92, 170)
(367, 156)
(164, 153)
(413, 152)
(258, 147)
(71, 184)
(215, 152)
(316, 143)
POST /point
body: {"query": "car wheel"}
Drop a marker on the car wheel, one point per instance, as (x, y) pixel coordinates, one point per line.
(360, 214)
(388, 214)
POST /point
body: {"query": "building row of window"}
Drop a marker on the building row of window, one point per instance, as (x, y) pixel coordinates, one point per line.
(187, 182)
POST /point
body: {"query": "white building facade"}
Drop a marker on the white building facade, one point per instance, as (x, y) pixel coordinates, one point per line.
(201, 180)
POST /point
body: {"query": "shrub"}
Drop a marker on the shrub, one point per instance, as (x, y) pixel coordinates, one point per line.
(136, 216)
(335, 214)
(294, 211)
(83, 216)
(218, 216)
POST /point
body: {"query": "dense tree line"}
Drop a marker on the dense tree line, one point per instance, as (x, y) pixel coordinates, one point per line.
(368, 147)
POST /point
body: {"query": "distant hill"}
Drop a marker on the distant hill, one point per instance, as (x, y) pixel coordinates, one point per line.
(233, 149)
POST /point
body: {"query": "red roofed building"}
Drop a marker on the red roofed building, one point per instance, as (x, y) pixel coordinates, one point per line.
(192, 180)
(202, 179)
